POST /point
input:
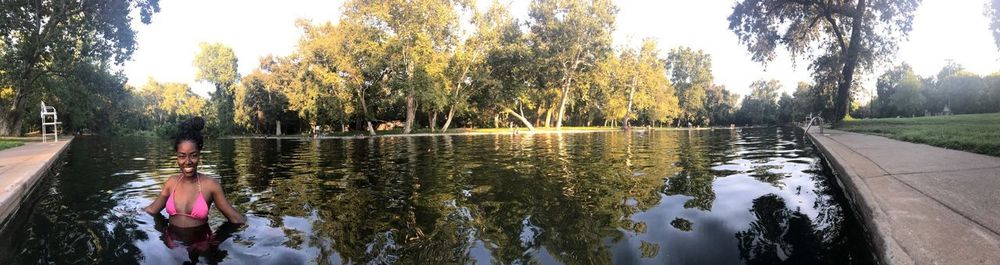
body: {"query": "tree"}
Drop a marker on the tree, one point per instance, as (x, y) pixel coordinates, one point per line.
(761, 105)
(719, 105)
(217, 64)
(569, 37)
(45, 39)
(886, 86)
(851, 35)
(691, 73)
(906, 98)
(260, 100)
(965, 92)
(636, 83)
(413, 34)
(466, 62)
(786, 109)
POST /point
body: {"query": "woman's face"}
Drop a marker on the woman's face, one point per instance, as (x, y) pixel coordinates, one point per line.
(187, 158)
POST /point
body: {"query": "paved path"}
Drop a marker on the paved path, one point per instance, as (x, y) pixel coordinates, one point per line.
(926, 205)
(21, 167)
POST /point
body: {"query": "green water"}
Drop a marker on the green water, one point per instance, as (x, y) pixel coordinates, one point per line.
(752, 196)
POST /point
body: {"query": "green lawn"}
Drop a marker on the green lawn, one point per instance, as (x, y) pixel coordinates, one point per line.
(979, 133)
(4, 144)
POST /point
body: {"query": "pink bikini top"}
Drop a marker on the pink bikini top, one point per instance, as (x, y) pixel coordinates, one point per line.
(198, 211)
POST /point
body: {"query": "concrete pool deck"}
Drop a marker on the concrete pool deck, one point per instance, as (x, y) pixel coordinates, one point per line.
(21, 168)
(921, 204)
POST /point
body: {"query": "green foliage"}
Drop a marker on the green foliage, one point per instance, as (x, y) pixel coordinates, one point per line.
(217, 64)
(48, 44)
(902, 93)
(691, 73)
(979, 133)
(569, 38)
(841, 37)
(761, 106)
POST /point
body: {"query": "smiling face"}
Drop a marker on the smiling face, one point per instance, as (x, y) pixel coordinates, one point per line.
(187, 158)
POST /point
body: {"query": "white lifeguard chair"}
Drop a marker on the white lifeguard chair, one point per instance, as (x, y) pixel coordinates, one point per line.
(49, 111)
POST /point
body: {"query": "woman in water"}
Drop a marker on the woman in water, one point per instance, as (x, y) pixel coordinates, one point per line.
(189, 195)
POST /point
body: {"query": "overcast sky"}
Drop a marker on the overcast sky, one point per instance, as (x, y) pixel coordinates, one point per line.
(942, 30)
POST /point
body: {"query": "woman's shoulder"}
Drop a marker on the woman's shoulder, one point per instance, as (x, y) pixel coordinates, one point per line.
(210, 182)
(171, 180)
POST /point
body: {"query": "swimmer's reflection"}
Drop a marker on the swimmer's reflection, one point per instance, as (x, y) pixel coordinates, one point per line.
(199, 241)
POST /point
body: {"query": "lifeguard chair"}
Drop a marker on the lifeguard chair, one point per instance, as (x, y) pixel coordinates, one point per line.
(49, 111)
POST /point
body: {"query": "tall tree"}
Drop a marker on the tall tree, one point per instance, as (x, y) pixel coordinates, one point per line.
(906, 98)
(886, 86)
(414, 33)
(760, 107)
(42, 38)
(505, 83)
(569, 38)
(691, 73)
(637, 83)
(216, 63)
(853, 35)
(260, 99)
(720, 104)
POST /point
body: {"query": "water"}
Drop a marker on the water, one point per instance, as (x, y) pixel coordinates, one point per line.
(754, 196)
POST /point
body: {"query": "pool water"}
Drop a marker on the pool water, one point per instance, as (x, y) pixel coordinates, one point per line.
(749, 196)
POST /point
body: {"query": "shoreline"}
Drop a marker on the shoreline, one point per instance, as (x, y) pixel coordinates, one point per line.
(363, 135)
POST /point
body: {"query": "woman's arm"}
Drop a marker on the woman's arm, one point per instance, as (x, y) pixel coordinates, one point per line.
(161, 201)
(223, 205)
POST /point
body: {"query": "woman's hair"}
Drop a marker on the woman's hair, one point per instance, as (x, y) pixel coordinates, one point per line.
(190, 131)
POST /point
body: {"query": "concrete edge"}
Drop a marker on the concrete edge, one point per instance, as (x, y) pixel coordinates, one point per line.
(865, 204)
(9, 208)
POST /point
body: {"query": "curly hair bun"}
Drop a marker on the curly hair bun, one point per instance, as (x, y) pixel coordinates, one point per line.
(190, 131)
(195, 124)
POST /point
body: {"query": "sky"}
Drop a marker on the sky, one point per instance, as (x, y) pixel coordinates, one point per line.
(943, 31)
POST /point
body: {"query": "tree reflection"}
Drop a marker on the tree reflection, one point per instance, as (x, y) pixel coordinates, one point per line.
(779, 235)
(696, 178)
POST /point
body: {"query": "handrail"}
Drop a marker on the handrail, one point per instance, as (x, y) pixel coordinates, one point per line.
(812, 120)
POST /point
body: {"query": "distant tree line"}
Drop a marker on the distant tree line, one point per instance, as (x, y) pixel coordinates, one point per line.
(902, 93)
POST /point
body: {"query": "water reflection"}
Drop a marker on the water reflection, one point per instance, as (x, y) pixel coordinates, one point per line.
(682, 197)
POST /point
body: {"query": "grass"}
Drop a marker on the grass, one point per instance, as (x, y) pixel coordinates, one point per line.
(978, 133)
(4, 144)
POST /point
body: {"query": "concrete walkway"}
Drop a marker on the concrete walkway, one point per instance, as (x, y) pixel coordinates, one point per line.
(21, 167)
(923, 204)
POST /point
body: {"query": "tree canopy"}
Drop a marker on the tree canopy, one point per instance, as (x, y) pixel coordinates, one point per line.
(848, 36)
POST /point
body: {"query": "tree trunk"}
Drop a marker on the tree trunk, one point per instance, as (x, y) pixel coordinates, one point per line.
(519, 117)
(433, 121)
(850, 63)
(562, 106)
(447, 120)
(496, 120)
(371, 131)
(628, 109)
(411, 113)
(548, 117)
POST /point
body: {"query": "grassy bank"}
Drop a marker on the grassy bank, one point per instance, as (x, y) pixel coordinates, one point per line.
(979, 133)
(4, 144)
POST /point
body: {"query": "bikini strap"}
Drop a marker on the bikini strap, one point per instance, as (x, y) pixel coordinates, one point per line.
(197, 178)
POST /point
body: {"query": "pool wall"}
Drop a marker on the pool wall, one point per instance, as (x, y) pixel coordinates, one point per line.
(21, 168)
(862, 200)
